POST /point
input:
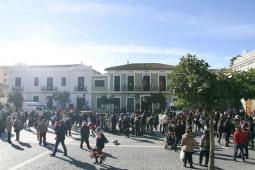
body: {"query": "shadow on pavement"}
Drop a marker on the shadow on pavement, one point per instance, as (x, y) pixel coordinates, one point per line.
(25, 144)
(17, 147)
(225, 155)
(109, 167)
(142, 140)
(217, 168)
(109, 155)
(154, 138)
(77, 163)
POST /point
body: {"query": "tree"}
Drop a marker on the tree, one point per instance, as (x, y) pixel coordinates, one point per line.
(17, 99)
(158, 98)
(233, 59)
(244, 85)
(196, 87)
(62, 98)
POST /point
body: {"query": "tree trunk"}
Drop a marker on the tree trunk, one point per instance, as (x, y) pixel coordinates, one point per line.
(211, 157)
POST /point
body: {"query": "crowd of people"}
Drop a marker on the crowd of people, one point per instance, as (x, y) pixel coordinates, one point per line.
(179, 129)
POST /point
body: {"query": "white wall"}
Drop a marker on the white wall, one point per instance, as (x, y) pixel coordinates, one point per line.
(71, 73)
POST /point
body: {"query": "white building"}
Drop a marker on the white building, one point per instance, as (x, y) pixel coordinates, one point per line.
(39, 82)
(244, 62)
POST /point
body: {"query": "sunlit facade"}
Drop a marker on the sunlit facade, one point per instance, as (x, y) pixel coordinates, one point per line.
(244, 62)
(39, 82)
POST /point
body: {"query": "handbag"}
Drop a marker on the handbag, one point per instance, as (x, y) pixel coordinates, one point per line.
(182, 155)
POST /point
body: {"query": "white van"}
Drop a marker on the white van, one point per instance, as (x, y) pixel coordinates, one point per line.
(33, 106)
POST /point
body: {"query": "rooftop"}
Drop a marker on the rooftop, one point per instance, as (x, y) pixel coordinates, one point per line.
(142, 66)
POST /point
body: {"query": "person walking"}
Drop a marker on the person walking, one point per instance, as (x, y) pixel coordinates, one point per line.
(178, 134)
(9, 123)
(85, 135)
(165, 120)
(245, 131)
(68, 126)
(126, 125)
(187, 144)
(42, 128)
(2, 123)
(60, 138)
(100, 142)
(204, 148)
(17, 127)
(252, 131)
(238, 141)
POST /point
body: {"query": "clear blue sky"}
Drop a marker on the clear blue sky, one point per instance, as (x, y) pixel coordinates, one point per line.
(105, 33)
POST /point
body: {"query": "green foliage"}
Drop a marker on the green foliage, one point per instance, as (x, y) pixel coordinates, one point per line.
(158, 98)
(192, 82)
(62, 98)
(17, 99)
(245, 82)
(233, 59)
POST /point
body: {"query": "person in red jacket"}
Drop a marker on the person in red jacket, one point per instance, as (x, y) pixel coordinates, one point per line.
(239, 139)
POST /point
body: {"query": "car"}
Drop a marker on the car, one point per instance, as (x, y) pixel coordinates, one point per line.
(33, 106)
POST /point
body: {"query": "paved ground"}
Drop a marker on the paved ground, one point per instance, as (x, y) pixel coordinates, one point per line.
(140, 153)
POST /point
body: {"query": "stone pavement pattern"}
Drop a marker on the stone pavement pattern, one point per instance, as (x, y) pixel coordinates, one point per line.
(141, 153)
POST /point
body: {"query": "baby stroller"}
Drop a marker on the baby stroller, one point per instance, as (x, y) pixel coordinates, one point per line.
(170, 137)
(96, 153)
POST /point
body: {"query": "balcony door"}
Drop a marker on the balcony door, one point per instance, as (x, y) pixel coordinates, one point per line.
(81, 82)
(130, 84)
(50, 83)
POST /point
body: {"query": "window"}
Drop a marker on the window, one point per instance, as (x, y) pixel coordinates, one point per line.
(146, 83)
(99, 83)
(116, 83)
(130, 104)
(63, 81)
(99, 102)
(81, 81)
(36, 81)
(131, 80)
(162, 83)
(36, 98)
(116, 104)
(18, 82)
(50, 83)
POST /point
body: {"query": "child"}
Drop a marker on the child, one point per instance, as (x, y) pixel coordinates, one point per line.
(100, 142)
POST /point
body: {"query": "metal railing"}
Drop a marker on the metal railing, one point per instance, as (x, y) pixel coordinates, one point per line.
(48, 88)
(80, 88)
(20, 88)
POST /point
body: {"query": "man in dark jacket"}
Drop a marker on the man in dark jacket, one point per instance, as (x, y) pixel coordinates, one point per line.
(178, 135)
(60, 138)
(42, 128)
(85, 135)
(114, 123)
(17, 127)
(68, 126)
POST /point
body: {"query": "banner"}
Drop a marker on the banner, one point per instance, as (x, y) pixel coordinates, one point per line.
(248, 106)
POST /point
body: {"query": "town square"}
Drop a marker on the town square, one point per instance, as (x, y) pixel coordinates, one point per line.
(127, 85)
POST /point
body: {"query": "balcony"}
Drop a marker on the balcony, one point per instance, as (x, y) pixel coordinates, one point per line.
(80, 88)
(48, 88)
(20, 88)
(149, 88)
